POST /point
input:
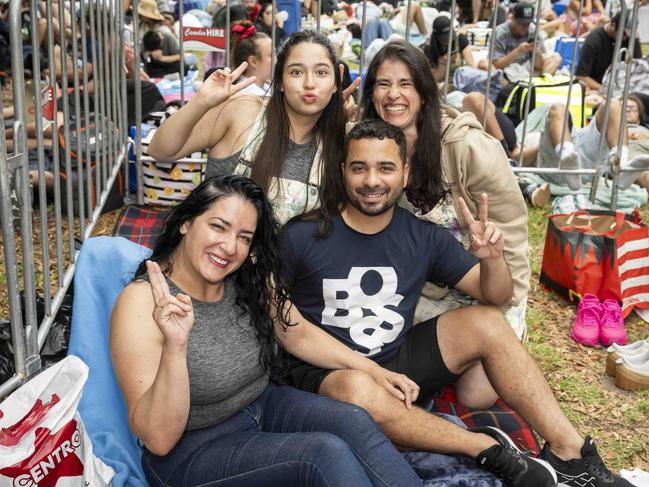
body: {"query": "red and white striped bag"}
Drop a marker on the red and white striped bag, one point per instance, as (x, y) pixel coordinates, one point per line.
(633, 269)
(599, 252)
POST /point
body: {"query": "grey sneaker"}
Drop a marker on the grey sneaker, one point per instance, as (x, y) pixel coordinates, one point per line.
(512, 466)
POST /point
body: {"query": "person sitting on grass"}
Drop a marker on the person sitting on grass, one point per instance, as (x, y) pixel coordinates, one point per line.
(157, 63)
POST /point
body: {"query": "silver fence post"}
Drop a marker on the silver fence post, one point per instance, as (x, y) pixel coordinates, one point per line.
(607, 105)
(124, 119)
(181, 12)
(22, 185)
(109, 93)
(105, 133)
(528, 97)
(120, 75)
(100, 105)
(362, 65)
(86, 104)
(408, 14)
(138, 105)
(566, 112)
(69, 200)
(625, 99)
(450, 48)
(42, 195)
(490, 62)
(55, 149)
(114, 85)
(11, 269)
(115, 49)
(318, 14)
(227, 34)
(77, 121)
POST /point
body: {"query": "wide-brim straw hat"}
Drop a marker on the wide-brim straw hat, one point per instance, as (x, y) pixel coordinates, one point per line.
(149, 9)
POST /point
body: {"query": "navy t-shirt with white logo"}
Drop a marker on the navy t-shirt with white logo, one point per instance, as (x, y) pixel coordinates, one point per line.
(363, 289)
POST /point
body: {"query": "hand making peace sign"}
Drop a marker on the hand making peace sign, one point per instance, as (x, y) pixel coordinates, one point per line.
(174, 315)
(348, 99)
(219, 86)
(486, 239)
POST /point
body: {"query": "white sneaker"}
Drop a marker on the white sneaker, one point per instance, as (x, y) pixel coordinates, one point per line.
(632, 372)
(632, 170)
(616, 351)
(637, 477)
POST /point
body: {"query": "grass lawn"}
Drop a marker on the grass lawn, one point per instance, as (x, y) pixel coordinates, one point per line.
(618, 420)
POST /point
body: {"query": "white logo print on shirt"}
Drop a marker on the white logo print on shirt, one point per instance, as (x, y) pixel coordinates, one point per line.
(364, 330)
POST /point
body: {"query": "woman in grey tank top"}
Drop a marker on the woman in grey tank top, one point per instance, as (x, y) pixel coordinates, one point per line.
(193, 346)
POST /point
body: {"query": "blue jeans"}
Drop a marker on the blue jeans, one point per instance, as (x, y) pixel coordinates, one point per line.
(285, 438)
(376, 29)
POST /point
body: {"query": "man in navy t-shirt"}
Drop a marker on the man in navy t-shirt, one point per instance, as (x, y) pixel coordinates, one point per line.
(356, 267)
(363, 288)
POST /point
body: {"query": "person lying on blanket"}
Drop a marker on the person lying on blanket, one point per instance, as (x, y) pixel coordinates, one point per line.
(356, 266)
(580, 147)
(193, 347)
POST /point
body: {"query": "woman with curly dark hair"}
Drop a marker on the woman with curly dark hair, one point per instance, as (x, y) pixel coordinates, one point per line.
(193, 345)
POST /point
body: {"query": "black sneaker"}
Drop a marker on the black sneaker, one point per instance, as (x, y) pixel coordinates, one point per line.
(512, 466)
(587, 471)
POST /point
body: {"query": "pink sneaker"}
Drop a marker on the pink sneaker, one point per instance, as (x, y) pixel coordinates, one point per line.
(587, 322)
(611, 324)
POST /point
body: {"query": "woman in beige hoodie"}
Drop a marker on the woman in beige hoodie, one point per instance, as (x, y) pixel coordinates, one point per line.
(450, 157)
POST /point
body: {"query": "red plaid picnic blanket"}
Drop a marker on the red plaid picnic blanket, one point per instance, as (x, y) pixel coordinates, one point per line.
(499, 415)
(140, 224)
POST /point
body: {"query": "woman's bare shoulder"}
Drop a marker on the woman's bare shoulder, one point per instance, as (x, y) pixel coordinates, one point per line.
(135, 296)
(244, 104)
(238, 116)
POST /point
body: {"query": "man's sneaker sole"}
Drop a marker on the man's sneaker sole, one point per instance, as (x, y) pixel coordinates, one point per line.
(506, 437)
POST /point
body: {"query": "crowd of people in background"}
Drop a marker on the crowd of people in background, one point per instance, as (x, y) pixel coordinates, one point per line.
(368, 247)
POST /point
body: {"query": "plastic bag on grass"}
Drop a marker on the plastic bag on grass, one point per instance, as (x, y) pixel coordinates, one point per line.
(42, 438)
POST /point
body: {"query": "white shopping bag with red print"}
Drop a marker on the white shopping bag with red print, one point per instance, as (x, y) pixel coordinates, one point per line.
(42, 439)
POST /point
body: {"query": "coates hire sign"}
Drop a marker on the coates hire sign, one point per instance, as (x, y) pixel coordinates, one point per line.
(203, 39)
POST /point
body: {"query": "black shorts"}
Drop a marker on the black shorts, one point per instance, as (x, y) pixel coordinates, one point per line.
(418, 357)
(508, 129)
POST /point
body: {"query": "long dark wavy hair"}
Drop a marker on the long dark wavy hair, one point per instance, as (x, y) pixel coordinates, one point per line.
(426, 185)
(329, 131)
(254, 292)
(434, 49)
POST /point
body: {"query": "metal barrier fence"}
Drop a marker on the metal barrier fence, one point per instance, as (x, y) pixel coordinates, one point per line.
(89, 150)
